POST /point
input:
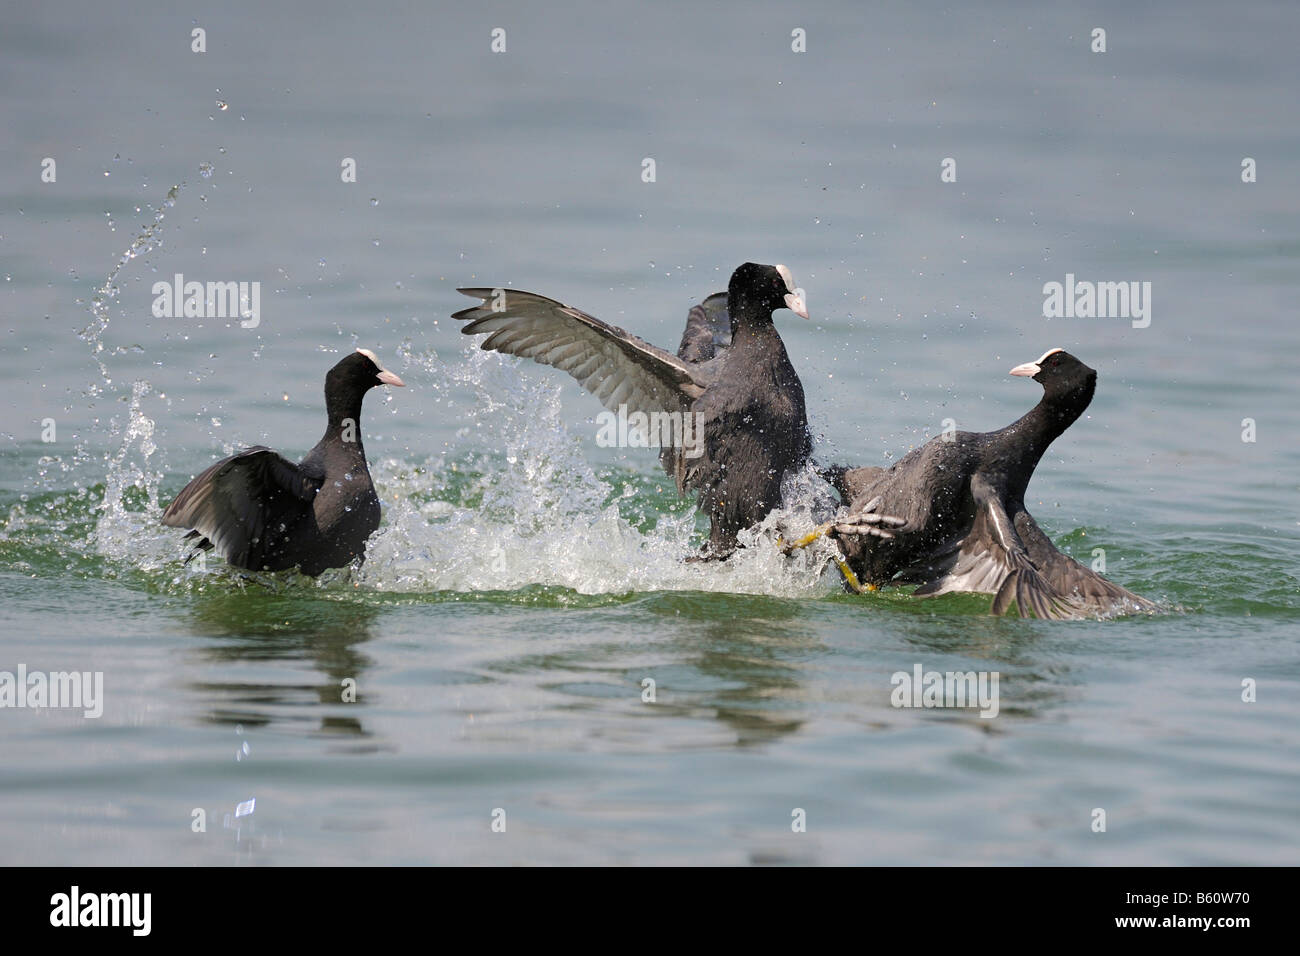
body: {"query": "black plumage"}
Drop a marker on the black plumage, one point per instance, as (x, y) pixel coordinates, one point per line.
(731, 374)
(262, 512)
(965, 526)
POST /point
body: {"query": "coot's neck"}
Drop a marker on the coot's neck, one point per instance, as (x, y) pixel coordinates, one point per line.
(344, 411)
(1027, 440)
(750, 321)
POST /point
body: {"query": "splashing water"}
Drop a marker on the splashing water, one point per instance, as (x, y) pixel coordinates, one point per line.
(149, 239)
(521, 506)
(128, 526)
(515, 505)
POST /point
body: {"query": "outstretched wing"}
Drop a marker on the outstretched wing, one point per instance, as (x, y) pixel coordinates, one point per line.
(1067, 576)
(244, 505)
(617, 367)
(708, 330)
(992, 559)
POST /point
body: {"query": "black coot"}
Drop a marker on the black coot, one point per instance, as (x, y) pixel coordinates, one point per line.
(731, 378)
(962, 503)
(264, 513)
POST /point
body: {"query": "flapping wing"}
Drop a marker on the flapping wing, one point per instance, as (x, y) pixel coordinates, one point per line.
(707, 334)
(244, 504)
(617, 367)
(1067, 576)
(992, 559)
(708, 330)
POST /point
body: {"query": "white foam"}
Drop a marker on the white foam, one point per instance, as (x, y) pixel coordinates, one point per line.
(540, 515)
(514, 502)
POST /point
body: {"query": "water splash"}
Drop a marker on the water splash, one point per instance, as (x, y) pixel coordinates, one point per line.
(148, 240)
(127, 527)
(127, 524)
(516, 504)
(519, 505)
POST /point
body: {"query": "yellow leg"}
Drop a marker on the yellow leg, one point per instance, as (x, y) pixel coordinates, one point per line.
(807, 539)
(820, 532)
(852, 578)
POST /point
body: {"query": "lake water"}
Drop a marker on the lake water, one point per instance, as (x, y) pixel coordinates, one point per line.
(525, 581)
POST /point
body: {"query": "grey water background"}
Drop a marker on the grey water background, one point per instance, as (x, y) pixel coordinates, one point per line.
(526, 581)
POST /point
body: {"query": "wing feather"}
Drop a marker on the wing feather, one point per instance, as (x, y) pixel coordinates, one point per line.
(244, 505)
(614, 365)
(708, 330)
(992, 559)
(1068, 576)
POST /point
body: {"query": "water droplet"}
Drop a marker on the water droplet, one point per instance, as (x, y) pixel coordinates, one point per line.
(205, 170)
(374, 201)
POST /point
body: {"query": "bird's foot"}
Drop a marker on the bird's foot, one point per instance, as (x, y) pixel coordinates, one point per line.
(866, 521)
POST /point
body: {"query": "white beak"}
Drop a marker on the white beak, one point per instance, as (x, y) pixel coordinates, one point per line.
(794, 302)
(794, 299)
(1029, 369)
(385, 376)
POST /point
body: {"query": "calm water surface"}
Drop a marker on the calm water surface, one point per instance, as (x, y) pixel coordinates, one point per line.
(525, 581)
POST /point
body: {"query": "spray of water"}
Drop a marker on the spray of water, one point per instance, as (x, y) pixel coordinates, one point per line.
(148, 240)
(516, 504)
(126, 522)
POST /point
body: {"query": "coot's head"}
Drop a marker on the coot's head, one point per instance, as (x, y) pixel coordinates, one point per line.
(764, 289)
(1060, 374)
(358, 373)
